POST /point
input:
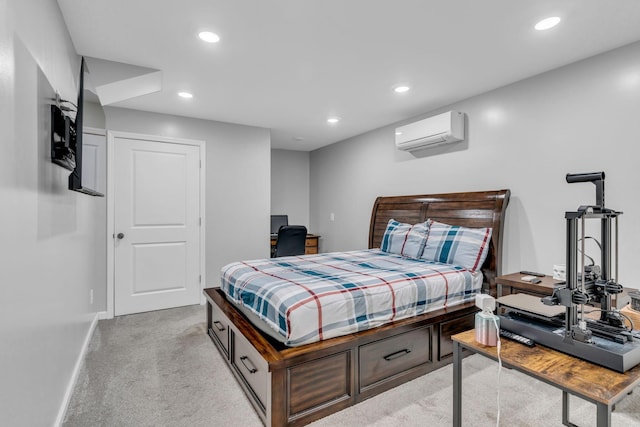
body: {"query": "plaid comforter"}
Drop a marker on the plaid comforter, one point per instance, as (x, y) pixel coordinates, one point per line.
(315, 297)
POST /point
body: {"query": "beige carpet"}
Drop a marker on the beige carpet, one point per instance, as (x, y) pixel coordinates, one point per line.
(161, 369)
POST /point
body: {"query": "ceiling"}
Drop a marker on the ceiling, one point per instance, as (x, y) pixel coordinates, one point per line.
(288, 65)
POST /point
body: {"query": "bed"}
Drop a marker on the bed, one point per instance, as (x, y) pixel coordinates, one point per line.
(293, 378)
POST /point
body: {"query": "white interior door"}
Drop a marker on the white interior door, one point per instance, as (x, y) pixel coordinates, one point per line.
(156, 225)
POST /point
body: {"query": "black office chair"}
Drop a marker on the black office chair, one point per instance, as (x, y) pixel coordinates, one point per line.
(290, 241)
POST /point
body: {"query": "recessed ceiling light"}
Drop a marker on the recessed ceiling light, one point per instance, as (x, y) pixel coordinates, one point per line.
(333, 120)
(209, 37)
(398, 133)
(547, 23)
(401, 88)
(185, 94)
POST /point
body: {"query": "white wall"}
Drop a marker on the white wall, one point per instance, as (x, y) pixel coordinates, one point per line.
(237, 181)
(49, 235)
(526, 137)
(290, 185)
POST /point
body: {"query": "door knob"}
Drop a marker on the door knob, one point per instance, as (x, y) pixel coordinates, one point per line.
(120, 236)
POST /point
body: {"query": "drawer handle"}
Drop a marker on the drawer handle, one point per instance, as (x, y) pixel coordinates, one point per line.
(252, 369)
(219, 325)
(397, 354)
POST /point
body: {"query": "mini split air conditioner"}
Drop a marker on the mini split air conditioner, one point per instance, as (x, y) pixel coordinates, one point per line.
(441, 129)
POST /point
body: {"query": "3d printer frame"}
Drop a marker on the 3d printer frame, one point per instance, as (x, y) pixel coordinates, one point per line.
(605, 341)
(592, 284)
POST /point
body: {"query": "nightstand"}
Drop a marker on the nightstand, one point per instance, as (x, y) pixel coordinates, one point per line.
(511, 284)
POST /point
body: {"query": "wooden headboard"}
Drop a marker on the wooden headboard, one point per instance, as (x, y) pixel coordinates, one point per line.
(474, 209)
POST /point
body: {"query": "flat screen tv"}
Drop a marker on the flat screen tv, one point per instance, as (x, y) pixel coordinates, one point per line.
(67, 151)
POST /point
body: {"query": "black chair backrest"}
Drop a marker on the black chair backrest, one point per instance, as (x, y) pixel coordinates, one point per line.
(291, 240)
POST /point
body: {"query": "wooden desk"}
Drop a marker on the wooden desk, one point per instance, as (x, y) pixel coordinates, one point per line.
(590, 382)
(310, 247)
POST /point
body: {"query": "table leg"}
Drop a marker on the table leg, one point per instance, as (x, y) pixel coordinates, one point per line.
(565, 409)
(604, 415)
(457, 385)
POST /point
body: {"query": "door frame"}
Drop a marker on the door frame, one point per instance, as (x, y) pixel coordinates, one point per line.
(111, 170)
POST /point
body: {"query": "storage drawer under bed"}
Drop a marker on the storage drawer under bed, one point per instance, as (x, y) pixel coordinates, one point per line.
(383, 359)
(253, 369)
(219, 327)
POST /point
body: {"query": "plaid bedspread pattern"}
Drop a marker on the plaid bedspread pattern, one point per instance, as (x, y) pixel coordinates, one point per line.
(314, 297)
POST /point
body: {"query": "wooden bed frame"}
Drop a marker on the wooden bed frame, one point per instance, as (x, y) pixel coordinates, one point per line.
(293, 386)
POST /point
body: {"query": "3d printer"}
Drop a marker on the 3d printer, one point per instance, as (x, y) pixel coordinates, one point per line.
(606, 340)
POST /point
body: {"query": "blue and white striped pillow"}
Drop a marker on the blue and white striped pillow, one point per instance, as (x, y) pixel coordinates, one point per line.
(404, 239)
(457, 245)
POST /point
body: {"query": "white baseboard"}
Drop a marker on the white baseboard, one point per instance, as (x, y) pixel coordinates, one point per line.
(76, 369)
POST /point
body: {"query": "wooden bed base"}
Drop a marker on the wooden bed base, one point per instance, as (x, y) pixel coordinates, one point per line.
(293, 386)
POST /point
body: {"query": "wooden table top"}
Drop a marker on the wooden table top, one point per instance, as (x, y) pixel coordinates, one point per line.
(513, 279)
(575, 375)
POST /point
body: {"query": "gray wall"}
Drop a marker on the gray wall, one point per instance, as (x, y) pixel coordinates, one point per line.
(237, 181)
(527, 136)
(290, 185)
(94, 115)
(49, 235)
